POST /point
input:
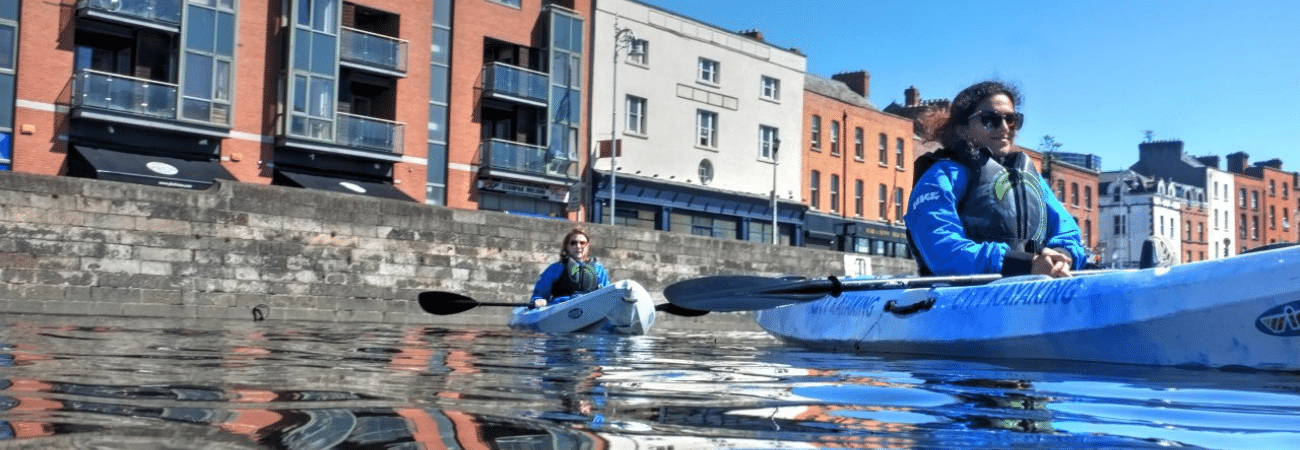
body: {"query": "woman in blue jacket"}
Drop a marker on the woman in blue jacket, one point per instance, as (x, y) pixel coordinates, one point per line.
(979, 205)
(575, 273)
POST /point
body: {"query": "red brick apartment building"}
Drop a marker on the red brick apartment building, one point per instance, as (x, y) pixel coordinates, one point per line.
(1075, 185)
(372, 97)
(308, 93)
(857, 168)
(1265, 201)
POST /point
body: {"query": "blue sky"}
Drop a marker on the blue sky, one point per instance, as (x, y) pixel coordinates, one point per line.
(1221, 75)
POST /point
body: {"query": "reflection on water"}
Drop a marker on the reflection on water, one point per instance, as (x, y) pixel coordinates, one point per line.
(183, 384)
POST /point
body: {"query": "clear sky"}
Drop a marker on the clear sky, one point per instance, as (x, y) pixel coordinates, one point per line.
(1221, 75)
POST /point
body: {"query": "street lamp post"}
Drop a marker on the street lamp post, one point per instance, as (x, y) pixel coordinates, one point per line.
(623, 38)
(776, 146)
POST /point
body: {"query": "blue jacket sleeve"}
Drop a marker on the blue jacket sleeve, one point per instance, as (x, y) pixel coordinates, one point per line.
(544, 282)
(601, 275)
(1063, 231)
(937, 229)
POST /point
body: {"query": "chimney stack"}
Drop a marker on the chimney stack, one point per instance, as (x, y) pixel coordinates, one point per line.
(859, 81)
(1237, 162)
(911, 97)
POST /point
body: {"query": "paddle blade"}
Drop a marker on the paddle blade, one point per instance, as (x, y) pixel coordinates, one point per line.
(740, 293)
(445, 303)
(679, 311)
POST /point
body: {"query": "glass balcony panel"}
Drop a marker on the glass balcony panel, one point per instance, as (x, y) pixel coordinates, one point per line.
(373, 49)
(516, 81)
(124, 94)
(526, 158)
(167, 12)
(370, 133)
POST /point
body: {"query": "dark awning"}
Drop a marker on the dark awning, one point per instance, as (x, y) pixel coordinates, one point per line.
(104, 164)
(344, 185)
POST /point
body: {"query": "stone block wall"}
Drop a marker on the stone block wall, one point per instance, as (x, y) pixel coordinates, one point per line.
(90, 247)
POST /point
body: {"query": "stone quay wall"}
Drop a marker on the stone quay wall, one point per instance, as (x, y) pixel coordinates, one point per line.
(75, 246)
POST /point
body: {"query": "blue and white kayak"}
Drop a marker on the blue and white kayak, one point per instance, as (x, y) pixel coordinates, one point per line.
(1242, 311)
(623, 307)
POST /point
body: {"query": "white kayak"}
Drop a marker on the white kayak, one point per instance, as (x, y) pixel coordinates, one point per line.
(1242, 311)
(623, 307)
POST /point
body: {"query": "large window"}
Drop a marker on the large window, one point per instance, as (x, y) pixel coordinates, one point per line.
(884, 150)
(835, 193)
(705, 224)
(900, 160)
(706, 126)
(814, 189)
(210, 57)
(858, 150)
(1074, 194)
(815, 141)
(884, 202)
(314, 66)
(768, 138)
(710, 71)
(636, 114)
(771, 88)
(898, 203)
(857, 198)
(835, 137)
(640, 52)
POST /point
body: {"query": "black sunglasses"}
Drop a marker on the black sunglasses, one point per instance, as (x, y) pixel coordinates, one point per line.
(991, 119)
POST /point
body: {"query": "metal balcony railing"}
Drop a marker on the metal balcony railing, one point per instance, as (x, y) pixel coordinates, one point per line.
(526, 158)
(372, 49)
(167, 12)
(516, 82)
(370, 133)
(125, 94)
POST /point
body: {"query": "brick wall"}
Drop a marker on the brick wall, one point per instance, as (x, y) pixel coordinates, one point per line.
(90, 247)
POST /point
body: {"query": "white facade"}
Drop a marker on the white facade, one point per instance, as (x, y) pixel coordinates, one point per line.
(668, 79)
(1133, 208)
(1221, 237)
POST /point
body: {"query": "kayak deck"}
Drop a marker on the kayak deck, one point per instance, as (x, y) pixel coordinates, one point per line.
(623, 307)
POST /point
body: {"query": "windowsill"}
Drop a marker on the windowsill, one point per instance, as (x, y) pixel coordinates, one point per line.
(707, 149)
(507, 4)
(635, 134)
(709, 84)
(815, 149)
(885, 165)
(900, 168)
(770, 100)
(639, 64)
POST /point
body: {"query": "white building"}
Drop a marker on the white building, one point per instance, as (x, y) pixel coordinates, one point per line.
(699, 112)
(1134, 207)
(1222, 237)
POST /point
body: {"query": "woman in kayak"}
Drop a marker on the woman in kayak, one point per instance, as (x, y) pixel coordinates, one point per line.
(575, 273)
(978, 204)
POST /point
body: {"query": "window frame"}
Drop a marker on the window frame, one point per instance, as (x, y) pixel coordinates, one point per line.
(635, 118)
(706, 134)
(770, 88)
(709, 71)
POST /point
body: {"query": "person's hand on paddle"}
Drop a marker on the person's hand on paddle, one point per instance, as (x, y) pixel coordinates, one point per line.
(537, 303)
(1053, 263)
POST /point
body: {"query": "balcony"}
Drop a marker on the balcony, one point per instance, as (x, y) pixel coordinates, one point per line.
(526, 159)
(161, 14)
(515, 83)
(370, 133)
(123, 94)
(375, 52)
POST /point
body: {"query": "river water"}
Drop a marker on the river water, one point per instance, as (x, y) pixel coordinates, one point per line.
(90, 382)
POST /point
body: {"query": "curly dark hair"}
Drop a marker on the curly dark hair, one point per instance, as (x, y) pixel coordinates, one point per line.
(965, 103)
